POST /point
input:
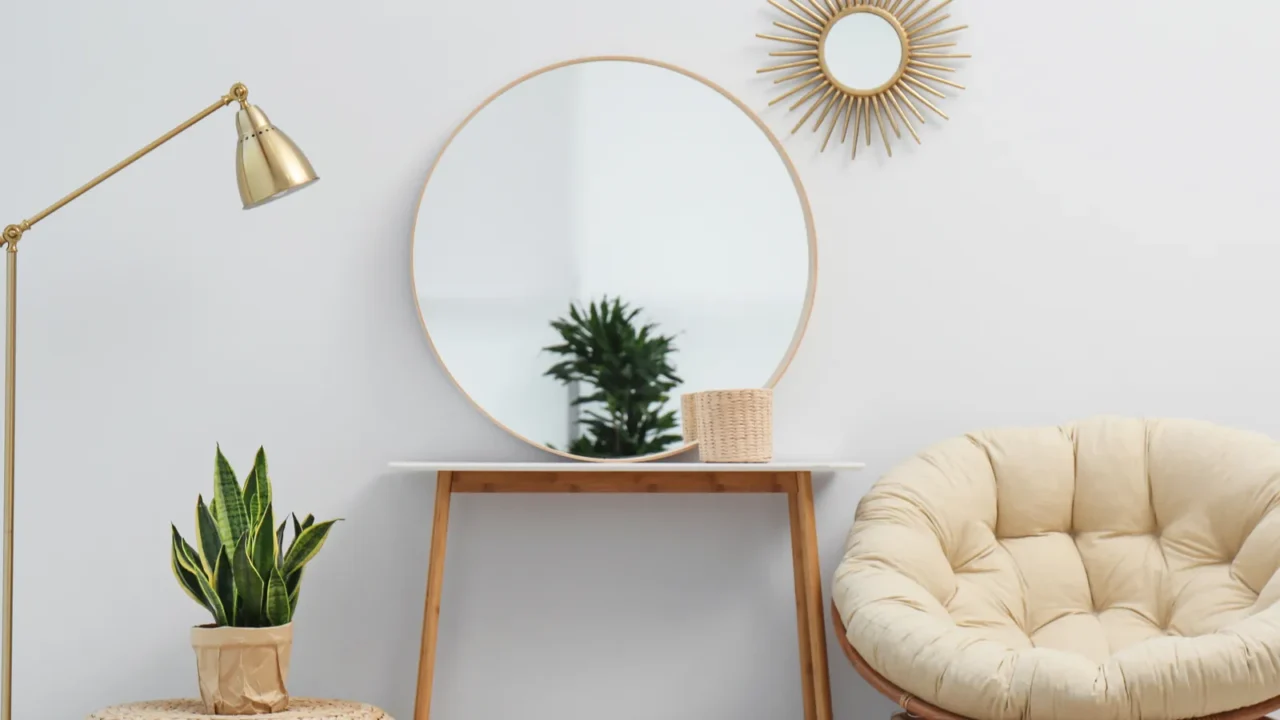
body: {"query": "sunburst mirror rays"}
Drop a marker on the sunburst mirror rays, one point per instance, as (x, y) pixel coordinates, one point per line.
(864, 67)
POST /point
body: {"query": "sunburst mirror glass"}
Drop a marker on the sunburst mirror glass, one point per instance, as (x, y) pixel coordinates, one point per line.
(862, 51)
(862, 68)
(602, 236)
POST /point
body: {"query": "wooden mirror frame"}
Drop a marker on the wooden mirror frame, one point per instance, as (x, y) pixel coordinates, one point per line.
(810, 233)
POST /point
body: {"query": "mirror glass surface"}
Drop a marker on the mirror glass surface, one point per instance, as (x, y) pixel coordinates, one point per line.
(862, 51)
(622, 180)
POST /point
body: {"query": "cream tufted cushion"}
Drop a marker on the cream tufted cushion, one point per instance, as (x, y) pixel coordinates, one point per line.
(1114, 568)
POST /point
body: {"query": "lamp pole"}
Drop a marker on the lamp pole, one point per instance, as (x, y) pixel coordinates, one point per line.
(268, 166)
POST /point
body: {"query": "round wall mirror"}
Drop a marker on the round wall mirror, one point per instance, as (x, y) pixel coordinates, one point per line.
(602, 236)
(864, 51)
(863, 67)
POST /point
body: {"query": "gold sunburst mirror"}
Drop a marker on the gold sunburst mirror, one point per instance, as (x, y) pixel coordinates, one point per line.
(863, 62)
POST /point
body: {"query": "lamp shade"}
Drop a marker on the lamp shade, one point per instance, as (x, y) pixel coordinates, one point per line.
(268, 164)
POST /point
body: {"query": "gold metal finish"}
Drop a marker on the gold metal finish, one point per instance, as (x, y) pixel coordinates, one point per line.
(915, 22)
(810, 231)
(269, 167)
(10, 381)
(268, 164)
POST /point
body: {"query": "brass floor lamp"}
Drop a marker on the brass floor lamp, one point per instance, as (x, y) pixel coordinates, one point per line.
(268, 166)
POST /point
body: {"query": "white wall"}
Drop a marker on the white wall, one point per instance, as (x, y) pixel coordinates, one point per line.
(1090, 233)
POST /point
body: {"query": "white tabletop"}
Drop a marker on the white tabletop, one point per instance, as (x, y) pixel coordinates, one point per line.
(654, 467)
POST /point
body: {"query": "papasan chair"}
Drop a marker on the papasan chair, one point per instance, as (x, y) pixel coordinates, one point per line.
(1106, 570)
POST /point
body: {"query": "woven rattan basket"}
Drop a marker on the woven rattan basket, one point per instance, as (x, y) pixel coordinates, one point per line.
(689, 417)
(734, 425)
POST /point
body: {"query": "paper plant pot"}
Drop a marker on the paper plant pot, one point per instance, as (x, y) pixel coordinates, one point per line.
(243, 671)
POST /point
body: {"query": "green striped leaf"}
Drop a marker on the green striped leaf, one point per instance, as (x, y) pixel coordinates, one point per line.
(264, 544)
(185, 554)
(186, 578)
(233, 521)
(280, 541)
(251, 499)
(187, 560)
(257, 489)
(278, 611)
(249, 586)
(293, 579)
(207, 538)
(293, 583)
(211, 596)
(297, 530)
(260, 467)
(224, 584)
(305, 546)
(298, 527)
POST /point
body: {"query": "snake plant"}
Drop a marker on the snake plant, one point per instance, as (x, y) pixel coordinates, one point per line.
(240, 570)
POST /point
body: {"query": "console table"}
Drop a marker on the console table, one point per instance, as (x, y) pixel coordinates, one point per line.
(794, 479)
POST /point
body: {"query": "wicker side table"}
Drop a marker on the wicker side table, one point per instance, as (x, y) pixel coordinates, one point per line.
(299, 709)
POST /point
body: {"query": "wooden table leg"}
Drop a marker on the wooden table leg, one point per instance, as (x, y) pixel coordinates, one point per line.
(802, 607)
(816, 683)
(431, 608)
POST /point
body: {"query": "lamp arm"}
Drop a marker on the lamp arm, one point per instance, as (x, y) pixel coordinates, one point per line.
(13, 233)
(9, 237)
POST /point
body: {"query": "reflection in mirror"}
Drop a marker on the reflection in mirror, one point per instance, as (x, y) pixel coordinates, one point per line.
(626, 366)
(863, 51)
(600, 238)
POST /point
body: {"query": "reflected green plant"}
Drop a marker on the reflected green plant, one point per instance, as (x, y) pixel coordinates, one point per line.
(626, 368)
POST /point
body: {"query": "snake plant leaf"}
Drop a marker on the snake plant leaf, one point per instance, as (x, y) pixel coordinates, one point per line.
(260, 467)
(185, 554)
(251, 498)
(293, 583)
(257, 489)
(186, 578)
(211, 595)
(305, 546)
(278, 610)
(207, 538)
(233, 520)
(187, 560)
(297, 530)
(239, 569)
(224, 584)
(298, 527)
(280, 541)
(249, 586)
(263, 544)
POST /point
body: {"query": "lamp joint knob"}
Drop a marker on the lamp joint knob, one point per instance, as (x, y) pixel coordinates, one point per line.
(13, 233)
(238, 93)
